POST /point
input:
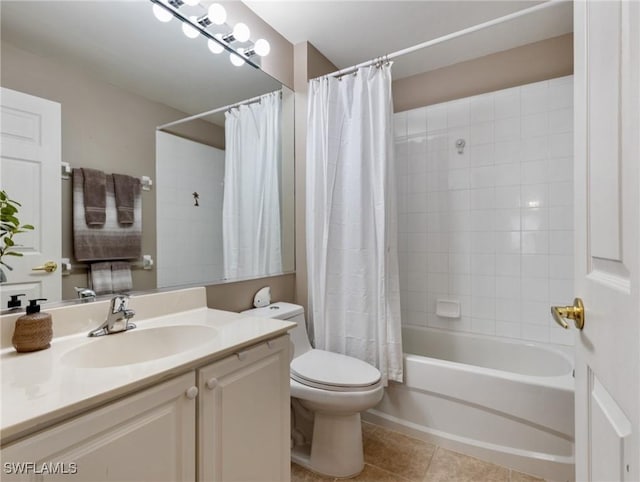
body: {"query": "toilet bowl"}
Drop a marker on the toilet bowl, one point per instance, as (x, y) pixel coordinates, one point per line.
(329, 390)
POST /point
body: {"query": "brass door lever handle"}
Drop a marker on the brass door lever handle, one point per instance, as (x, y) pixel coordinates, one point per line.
(575, 313)
(49, 267)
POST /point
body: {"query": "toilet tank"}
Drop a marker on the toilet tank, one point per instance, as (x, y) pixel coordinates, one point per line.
(289, 312)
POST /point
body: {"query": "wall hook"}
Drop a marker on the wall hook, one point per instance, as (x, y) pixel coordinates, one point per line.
(460, 143)
(196, 196)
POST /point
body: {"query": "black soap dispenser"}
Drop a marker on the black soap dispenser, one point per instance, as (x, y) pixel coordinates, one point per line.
(15, 302)
(33, 331)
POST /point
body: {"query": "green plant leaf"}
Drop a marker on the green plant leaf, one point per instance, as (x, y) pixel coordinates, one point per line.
(9, 242)
(13, 253)
(27, 226)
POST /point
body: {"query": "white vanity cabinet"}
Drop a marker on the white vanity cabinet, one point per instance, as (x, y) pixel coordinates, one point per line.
(244, 417)
(149, 436)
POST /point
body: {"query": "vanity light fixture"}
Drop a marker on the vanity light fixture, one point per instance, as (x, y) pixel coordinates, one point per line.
(192, 26)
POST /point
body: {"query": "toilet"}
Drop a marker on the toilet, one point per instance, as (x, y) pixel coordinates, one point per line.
(328, 392)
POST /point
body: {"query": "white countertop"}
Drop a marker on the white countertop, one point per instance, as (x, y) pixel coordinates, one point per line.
(38, 389)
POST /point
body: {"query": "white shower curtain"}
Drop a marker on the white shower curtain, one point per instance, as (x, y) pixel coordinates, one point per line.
(251, 203)
(354, 301)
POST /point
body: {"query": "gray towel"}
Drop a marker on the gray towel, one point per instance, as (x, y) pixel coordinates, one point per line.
(101, 281)
(126, 189)
(121, 276)
(111, 241)
(95, 196)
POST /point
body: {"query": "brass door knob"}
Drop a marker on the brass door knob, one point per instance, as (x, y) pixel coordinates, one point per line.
(49, 267)
(575, 313)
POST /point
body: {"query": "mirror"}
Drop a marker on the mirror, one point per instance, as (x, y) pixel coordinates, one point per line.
(119, 73)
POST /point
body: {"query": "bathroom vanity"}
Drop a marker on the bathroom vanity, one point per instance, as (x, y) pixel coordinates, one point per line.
(192, 393)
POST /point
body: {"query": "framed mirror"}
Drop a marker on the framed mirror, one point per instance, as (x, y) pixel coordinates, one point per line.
(118, 73)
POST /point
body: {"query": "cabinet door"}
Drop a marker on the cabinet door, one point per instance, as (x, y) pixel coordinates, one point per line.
(243, 410)
(149, 436)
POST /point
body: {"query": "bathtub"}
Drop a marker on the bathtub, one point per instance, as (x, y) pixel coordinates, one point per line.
(507, 402)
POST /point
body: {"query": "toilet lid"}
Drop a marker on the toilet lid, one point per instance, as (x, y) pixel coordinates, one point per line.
(333, 371)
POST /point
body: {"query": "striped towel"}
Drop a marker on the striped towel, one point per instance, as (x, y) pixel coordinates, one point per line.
(109, 277)
(111, 241)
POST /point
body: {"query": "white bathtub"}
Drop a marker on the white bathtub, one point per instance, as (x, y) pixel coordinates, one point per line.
(507, 402)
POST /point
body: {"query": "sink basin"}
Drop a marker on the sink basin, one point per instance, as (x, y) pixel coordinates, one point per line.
(138, 346)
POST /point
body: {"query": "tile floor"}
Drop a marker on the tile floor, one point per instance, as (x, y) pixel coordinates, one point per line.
(394, 457)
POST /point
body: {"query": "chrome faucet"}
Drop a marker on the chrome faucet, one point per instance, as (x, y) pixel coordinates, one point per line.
(117, 319)
(86, 294)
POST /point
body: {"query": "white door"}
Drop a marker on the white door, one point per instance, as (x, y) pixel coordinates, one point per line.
(607, 201)
(30, 174)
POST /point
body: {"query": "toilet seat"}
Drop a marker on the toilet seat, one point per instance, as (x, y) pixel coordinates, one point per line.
(333, 371)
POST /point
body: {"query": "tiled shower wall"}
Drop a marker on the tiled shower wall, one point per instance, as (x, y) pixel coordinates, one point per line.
(491, 226)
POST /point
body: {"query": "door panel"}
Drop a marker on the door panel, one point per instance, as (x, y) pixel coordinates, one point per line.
(607, 216)
(31, 150)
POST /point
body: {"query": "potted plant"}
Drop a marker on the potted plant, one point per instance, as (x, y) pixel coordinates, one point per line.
(9, 227)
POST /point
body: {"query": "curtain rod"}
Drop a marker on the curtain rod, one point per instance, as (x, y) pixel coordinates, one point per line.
(215, 111)
(444, 38)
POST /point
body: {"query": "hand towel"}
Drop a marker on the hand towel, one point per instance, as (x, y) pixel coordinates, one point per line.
(126, 189)
(111, 241)
(95, 196)
(101, 281)
(121, 276)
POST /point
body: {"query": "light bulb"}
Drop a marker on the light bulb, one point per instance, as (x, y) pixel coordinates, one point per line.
(241, 32)
(215, 47)
(237, 60)
(262, 47)
(189, 30)
(217, 14)
(161, 14)
(191, 3)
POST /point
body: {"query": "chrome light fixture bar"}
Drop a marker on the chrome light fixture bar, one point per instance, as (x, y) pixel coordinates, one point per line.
(218, 42)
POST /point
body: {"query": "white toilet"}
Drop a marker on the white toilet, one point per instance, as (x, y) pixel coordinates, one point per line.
(328, 391)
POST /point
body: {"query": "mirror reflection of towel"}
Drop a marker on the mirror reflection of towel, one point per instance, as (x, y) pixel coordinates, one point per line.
(111, 277)
(126, 189)
(111, 241)
(101, 278)
(95, 196)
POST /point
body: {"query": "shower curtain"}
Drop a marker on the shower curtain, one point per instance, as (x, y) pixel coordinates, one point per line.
(251, 201)
(354, 301)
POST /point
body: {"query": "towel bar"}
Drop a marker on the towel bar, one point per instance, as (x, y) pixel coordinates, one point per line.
(67, 267)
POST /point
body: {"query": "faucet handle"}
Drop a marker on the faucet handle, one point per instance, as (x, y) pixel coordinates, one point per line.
(119, 303)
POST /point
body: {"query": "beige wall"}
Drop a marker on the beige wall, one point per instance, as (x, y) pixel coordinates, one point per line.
(522, 65)
(308, 64)
(238, 296)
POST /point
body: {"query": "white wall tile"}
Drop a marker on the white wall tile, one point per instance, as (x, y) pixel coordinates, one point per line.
(492, 227)
(507, 264)
(560, 266)
(480, 133)
(400, 124)
(483, 198)
(534, 125)
(458, 113)
(507, 152)
(481, 108)
(507, 103)
(506, 129)
(509, 309)
(535, 266)
(416, 121)
(437, 117)
(561, 121)
(561, 242)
